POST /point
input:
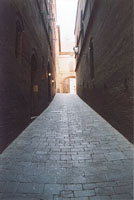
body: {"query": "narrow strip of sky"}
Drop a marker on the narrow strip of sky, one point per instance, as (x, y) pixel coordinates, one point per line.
(66, 15)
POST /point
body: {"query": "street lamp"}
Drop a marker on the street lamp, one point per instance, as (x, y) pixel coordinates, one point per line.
(49, 74)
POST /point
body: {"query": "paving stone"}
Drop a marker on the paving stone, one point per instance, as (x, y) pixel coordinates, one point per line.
(16, 196)
(65, 149)
(122, 190)
(100, 198)
(66, 157)
(98, 157)
(96, 178)
(67, 194)
(84, 193)
(11, 187)
(80, 157)
(104, 191)
(125, 183)
(129, 154)
(89, 186)
(116, 175)
(3, 186)
(68, 153)
(106, 184)
(30, 188)
(53, 188)
(25, 178)
(121, 197)
(81, 198)
(54, 157)
(60, 198)
(8, 177)
(73, 187)
(115, 156)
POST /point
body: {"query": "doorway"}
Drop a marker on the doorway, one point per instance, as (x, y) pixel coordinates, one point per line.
(72, 85)
(34, 86)
(69, 85)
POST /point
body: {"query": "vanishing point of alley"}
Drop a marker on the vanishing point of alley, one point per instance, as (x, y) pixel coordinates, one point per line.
(68, 153)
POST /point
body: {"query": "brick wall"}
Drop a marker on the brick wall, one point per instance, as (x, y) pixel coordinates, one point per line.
(109, 92)
(15, 73)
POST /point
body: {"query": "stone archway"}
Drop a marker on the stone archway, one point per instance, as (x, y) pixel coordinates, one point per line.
(66, 84)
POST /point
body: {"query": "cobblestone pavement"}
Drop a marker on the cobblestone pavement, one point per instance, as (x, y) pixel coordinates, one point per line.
(68, 153)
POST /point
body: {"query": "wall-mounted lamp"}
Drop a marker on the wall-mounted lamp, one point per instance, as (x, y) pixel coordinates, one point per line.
(49, 74)
(76, 50)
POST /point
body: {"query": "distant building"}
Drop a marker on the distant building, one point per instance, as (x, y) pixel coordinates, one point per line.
(27, 63)
(65, 68)
(104, 61)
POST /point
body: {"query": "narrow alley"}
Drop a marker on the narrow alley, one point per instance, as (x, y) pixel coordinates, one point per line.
(68, 153)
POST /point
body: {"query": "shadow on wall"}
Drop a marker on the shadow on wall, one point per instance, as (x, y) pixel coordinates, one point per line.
(115, 113)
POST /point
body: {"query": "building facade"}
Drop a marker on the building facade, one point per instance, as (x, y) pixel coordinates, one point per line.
(27, 63)
(104, 61)
(65, 68)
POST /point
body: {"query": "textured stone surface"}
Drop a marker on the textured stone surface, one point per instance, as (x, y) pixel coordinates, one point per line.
(33, 168)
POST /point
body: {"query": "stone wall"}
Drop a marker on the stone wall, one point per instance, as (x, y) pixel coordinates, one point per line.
(105, 63)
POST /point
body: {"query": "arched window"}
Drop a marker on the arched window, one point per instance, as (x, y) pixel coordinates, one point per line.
(18, 45)
(92, 73)
(33, 63)
(82, 26)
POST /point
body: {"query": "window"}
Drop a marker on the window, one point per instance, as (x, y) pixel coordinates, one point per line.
(85, 9)
(82, 25)
(41, 4)
(18, 45)
(91, 59)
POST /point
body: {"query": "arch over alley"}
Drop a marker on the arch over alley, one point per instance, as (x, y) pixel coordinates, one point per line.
(68, 84)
